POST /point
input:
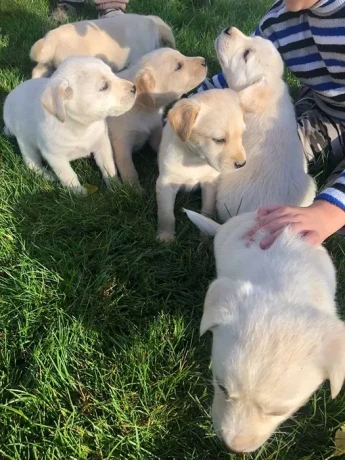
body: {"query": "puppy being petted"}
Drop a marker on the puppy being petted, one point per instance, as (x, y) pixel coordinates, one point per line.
(203, 137)
(161, 77)
(62, 118)
(276, 332)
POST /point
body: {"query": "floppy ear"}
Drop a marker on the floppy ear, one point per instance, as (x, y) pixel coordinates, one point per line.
(203, 223)
(256, 97)
(219, 304)
(145, 83)
(335, 359)
(182, 118)
(54, 97)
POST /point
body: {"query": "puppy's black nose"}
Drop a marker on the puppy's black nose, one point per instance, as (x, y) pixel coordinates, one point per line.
(228, 31)
(204, 63)
(240, 165)
(133, 89)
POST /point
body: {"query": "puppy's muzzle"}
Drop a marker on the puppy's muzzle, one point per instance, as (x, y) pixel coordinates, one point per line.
(240, 165)
(228, 31)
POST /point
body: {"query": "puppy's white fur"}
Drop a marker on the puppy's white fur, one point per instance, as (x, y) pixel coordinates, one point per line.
(161, 77)
(276, 333)
(63, 118)
(119, 41)
(203, 136)
(276, 170)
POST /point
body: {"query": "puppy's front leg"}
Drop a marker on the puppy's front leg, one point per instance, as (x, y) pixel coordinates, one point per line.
(208, 197)
(63, 170)
(103, 155)
(123, 158)
(166, 195)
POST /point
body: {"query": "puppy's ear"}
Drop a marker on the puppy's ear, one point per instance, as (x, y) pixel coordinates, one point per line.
(203, 223)
(221, 302)
(145, 83)
(255, 98)
(54, 97)
(182, 118)
(334, 358)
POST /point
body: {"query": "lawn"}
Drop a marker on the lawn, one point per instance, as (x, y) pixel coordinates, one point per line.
(100, 355)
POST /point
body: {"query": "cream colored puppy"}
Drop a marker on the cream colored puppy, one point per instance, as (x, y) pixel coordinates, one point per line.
(203, 136)
(161, 77)
(276, 332)
(276, 171)
(63, 118)
(119, 41)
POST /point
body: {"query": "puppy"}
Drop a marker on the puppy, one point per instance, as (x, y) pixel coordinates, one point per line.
(276, 171)
(119, 41)
(276, 333)
(63, 118)
(203, 136)
(161, 77)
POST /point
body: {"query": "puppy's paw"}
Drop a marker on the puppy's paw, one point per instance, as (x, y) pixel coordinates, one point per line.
(112, 182)
(165, 237)
(79, 190)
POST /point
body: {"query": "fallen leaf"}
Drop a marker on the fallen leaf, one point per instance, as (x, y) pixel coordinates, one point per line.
(340, 441)
(91, 188)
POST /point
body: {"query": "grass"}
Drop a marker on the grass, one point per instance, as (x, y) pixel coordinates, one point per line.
(100, 356)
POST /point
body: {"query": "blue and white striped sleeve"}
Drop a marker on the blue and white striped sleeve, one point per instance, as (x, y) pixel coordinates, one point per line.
(335, 194)
(218, 81)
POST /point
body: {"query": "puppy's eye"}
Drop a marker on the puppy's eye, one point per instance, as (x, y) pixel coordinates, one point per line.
(277, 414)
(246, 54)
(179, 66)
(104, 87)
(223, 389)
(219, 141)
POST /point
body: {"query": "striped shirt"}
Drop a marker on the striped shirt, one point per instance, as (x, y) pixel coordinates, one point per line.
(312, 45)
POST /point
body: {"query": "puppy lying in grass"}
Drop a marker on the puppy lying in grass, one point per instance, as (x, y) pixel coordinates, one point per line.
(63, 118)
(119, 41)
(203, 136)
(276, 170)
(161, 77)
(276, 332)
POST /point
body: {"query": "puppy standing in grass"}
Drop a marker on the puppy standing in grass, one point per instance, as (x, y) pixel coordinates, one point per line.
(203, 136)
(63, 118)
(276, 332)
(276, 170)
(161, 77)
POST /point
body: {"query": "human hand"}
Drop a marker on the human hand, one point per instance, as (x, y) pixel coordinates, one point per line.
(111, 4)
(315, 222)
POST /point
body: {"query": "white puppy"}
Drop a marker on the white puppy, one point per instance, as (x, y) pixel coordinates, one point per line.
(63, 118)
(161, 77)
(276, 170)
(276, 333)
(119, 41)
(202, 137)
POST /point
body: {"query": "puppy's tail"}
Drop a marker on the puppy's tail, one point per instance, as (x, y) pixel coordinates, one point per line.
(43, 50)
(165, 32)
(203, 223)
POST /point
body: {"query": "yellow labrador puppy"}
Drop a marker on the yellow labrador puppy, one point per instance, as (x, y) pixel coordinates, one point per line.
(161, 77)
(203, 137)
(119, 41)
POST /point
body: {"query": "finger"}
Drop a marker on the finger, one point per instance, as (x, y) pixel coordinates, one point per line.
(266, 243)
(312, 238)
(265, 210)
(250, 234)
(281, 213)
